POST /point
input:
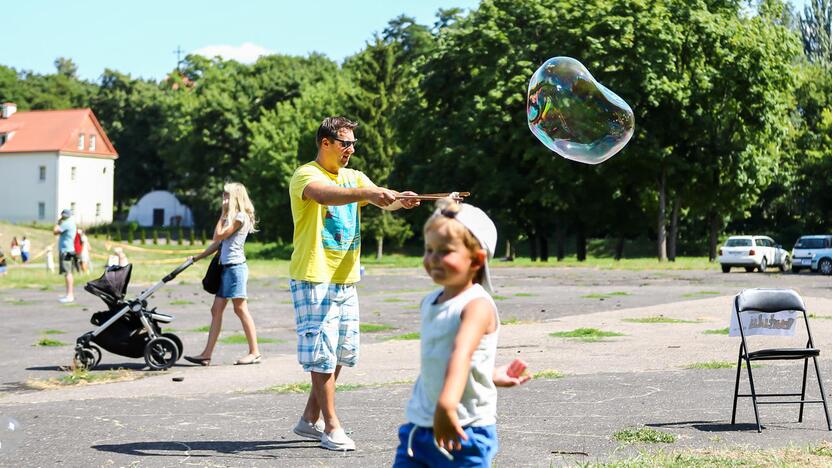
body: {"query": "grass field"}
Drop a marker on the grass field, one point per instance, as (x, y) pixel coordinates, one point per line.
(152, 262)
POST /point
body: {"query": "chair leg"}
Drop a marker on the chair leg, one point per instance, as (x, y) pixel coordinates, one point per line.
(822, 394)
(803, 389)
(736, 388)
(753, 396)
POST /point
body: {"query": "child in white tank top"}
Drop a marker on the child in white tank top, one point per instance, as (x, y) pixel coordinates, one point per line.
(452, 413)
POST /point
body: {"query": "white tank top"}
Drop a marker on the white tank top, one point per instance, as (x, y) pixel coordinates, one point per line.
(440, 323)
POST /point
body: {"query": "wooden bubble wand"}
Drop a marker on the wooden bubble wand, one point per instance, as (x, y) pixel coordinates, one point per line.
(456, 196)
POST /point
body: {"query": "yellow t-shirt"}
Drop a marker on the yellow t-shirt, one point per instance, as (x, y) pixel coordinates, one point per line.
(327, 239)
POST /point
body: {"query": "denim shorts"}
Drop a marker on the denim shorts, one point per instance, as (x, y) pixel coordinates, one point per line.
(233, 281)
(417, 448)
(326, 321)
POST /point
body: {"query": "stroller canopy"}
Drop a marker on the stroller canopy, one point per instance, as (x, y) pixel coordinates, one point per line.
(112, 285)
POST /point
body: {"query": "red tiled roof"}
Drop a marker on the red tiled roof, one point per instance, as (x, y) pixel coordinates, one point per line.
(55, 130)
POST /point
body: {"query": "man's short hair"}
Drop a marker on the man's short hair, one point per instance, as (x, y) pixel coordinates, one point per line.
(331, 126)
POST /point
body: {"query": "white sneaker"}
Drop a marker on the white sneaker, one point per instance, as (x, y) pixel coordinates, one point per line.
(311, 431)
(337, 440)
(66, 300)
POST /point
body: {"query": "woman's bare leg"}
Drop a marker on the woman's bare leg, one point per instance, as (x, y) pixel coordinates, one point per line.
(241, 309)
(216, 326)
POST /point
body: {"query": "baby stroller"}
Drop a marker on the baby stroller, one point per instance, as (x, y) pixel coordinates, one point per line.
(128, 328)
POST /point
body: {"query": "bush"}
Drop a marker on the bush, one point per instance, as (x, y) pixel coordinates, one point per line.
(180, 234)
(155, 237)
(192, 236)
(130, 236)
(143, 235)
(117, 237)
(203, 237)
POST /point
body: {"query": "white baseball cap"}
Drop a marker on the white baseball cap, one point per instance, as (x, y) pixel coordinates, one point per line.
(484, 231)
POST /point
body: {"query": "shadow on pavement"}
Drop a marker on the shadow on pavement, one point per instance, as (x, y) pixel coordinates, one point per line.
(708, 426)
(208, 448)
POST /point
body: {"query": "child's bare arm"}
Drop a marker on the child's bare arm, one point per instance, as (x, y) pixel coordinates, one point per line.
(477, 320)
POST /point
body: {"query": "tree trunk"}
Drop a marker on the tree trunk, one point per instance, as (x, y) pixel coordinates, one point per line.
(580, 242)
(713, 235)
(560, 235)
(379, 247)
(619, 248)
(661, 241)
(509, 253)
(674, 230)
(533, 246)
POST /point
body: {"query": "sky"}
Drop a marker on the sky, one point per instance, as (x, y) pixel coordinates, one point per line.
(140, 38)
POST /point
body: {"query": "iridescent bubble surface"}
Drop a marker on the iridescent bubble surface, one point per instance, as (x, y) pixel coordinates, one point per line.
(11, 435)
(576, 116)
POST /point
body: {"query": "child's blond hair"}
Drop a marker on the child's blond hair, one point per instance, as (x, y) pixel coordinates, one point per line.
(446, 210)
(239, 202)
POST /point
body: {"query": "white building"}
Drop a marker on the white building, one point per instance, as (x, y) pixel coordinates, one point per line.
(160, 208)
(52, 160)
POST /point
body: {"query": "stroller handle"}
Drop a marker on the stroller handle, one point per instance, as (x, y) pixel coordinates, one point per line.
(179, 269)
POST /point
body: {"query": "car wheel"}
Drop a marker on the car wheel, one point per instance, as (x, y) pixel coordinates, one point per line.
(825, 266)
(795, 270)
(786, 265)
(749, 269)
(726, 268)
(763, 265)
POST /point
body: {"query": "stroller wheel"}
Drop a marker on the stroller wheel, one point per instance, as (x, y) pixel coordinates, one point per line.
(97, 353)
(85, 359)
(160, 353)
(177, 341)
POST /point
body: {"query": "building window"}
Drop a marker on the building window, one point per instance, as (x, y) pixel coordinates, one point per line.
(41, 210)
(104, 171)
(2, 138)
(42, 173)
(98, 210)
(92, 142)
(81, 141)
(72, 208)
(72, 173)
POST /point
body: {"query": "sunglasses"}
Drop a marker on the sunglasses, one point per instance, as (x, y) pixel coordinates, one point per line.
(346, 143)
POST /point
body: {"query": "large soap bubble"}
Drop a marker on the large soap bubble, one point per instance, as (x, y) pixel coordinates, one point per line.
(11, 434)
(574, 115)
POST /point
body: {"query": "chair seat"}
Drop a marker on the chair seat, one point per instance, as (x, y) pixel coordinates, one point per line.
(783, 353)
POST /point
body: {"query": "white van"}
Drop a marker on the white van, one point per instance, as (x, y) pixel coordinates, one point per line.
(813, 253)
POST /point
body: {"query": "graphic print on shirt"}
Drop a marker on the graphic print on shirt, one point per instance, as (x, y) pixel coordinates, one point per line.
(341, 230)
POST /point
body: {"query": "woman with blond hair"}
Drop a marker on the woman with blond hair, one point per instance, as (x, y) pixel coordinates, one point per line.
(236, 222)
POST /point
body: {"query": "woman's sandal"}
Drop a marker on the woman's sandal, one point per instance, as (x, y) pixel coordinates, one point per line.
(248, 359)
(198, 360)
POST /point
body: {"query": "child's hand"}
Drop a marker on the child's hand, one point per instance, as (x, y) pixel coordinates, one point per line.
(510, 375)
(446, 429)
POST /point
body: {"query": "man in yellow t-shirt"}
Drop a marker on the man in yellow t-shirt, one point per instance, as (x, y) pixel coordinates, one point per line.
(326, 201)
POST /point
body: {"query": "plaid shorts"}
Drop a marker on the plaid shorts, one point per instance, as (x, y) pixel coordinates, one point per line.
(326, 321)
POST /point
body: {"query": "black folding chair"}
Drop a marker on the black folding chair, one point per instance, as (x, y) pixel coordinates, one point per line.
(765, 303)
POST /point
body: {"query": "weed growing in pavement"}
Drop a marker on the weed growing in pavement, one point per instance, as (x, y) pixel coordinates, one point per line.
(49, 342)
(586, 334)
(716, 331)
(605, 295)
(644, 435)
(406, 336)
(548, 374)
(241, 339)
(658, 319)
(373, 327)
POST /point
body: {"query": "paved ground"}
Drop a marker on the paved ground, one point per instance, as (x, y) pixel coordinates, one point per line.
(224, 416)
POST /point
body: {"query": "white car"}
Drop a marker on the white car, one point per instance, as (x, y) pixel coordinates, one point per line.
(753, 252)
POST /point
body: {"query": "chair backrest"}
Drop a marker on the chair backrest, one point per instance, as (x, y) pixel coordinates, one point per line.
(766, 312)
(769, 300)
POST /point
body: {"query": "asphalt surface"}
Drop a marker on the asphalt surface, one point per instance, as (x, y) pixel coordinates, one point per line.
(224, 416)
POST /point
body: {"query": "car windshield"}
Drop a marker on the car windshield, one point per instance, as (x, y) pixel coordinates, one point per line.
(738, 243)
(811, 243)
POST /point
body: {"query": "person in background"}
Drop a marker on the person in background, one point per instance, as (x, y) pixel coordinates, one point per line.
(236, 221)
(2, 264)
(67, 259)
(14, 251)
(50, 260)
(86, 267)
(24, 249)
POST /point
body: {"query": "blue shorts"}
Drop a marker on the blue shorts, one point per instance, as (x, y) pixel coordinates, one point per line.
(326, 321)
(478, 450)
(233, 281)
